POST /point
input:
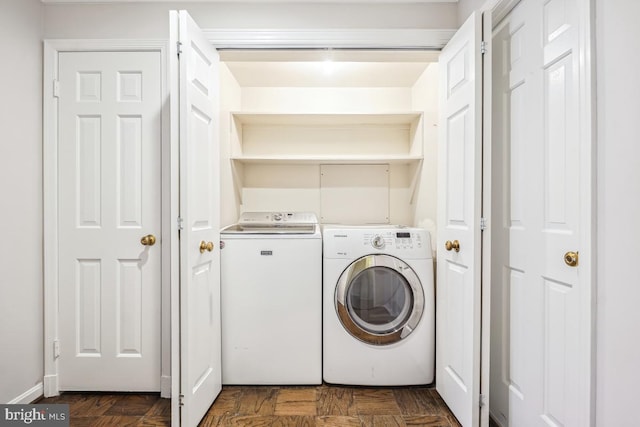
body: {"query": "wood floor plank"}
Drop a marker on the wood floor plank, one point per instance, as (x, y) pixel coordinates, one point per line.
(65, 397)
(86, 405)
(338, 421)
(105, 421)
(335, 400)
(239, 421)
(258, 401)
(426, 420)
(154, 421)
(370, 401)
(162, 408)
(441, 404)
(296, 401)
(228, 402)
(417, 401)
(210, 420)
(132, 404)
(382, 421)
(294, 421)
(453, 421)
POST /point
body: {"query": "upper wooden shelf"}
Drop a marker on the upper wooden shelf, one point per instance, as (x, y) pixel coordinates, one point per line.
(308, 119)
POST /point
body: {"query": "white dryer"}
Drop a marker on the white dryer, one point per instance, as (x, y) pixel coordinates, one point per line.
(271, 299)
(378, 306)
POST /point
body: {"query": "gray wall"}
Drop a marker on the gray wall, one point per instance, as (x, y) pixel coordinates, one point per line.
(465, 7)
(151, 20)
(21, 353)
(618, 183)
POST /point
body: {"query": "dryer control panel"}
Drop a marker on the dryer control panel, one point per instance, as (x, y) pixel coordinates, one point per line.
(394, 239)
(403, 242)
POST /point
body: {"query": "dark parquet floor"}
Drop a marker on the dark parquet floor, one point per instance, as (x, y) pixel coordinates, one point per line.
(271, 406)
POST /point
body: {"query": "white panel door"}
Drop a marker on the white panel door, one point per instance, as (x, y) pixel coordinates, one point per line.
(459, 196)
(109, 199)
(200, 340)
(544, 302)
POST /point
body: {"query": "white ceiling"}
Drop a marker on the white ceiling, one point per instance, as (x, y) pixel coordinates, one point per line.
(327, 68)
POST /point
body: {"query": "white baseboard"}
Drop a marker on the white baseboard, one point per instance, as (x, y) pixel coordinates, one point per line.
(28, 396)
(51, 387)
(165, 386)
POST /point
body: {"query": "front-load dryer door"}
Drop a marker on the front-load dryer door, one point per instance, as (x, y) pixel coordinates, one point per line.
(379, 299)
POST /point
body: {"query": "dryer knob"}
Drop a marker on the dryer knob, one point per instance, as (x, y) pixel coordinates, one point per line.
(378, 242)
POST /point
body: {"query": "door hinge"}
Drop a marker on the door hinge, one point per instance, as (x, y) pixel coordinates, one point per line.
(179, 221)
(483, 400)
(483, 47)
(179, 48)
(181, 400)
(56, 349)
(483, 224)
(56, 89)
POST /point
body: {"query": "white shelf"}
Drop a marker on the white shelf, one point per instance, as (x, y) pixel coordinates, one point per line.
(326, 138)
(328, 159)
(311, 119)
(297, 139)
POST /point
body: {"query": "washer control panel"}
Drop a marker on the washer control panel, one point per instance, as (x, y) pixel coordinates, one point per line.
(275, 218)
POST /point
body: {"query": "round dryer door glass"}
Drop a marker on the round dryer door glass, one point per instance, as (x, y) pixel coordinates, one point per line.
(379, 299)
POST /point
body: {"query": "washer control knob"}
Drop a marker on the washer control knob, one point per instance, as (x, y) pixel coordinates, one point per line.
(277, 217)
(378, 242)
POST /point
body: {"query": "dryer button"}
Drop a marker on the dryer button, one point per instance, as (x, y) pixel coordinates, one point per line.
(377, 242)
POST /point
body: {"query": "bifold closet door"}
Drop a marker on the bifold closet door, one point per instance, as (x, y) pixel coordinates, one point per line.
(459, 195)
(542, 200)
(195, 83)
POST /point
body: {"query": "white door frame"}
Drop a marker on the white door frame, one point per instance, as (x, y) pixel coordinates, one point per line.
(330, 38)
(494, 11)
(50, 204)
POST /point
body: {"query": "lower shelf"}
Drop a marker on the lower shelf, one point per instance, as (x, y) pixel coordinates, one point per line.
(329, 160)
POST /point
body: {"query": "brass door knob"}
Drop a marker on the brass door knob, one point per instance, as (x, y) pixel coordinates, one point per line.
(148, 240)
(455, 245)
(571, 259)
(206, 246)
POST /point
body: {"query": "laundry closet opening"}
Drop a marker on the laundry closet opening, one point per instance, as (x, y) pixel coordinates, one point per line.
(350, 135)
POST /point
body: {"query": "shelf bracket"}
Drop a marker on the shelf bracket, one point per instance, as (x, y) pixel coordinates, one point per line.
(237, 174)
(416, 172)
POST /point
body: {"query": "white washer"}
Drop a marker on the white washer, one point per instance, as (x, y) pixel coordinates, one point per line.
(378, 306)
(271, 295)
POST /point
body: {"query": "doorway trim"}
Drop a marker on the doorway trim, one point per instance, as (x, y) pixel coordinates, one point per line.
(52, 48)
(433, 39)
